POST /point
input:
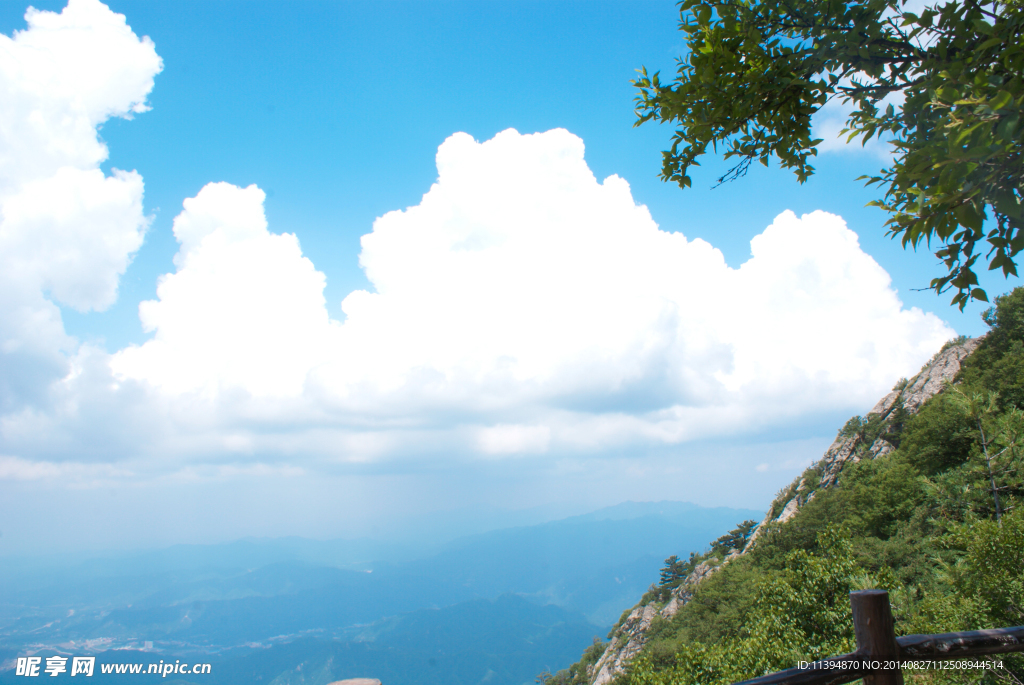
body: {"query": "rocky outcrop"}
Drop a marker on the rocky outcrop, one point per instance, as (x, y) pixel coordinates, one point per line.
(930, 381)
(630, 637)
(682, 594)
(626, 643)
(909, 395)
(789, 511)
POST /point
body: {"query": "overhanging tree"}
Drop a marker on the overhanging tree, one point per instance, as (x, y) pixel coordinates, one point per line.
(993, 471)
(947, 85)
(735, 539)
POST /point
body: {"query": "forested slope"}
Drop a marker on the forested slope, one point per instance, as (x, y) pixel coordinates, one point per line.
(919, 499)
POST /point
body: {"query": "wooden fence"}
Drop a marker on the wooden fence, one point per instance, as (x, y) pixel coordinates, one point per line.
(880, 653)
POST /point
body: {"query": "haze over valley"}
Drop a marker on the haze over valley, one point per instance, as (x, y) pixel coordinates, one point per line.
(513, 601)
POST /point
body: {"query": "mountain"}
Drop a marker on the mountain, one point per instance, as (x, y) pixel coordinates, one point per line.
(916, 497)
(588, 563)
(505, 640)
(519, 600)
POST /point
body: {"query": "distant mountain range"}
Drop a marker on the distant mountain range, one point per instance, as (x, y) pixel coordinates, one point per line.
(499, 606)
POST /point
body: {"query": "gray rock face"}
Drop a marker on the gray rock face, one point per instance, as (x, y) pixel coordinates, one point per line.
(631, 636)
(627, 642)
(836, 456)
(918, 390)
(932, 377)
(682, 594)
(880, 448)
(789, 511)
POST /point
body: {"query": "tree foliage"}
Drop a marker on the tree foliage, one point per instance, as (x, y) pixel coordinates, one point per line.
(919, 521)
(578, 673)
(994, 470)
(947, 85)
(801, 613)
(734, 540)
(672, 571)
(984, 588)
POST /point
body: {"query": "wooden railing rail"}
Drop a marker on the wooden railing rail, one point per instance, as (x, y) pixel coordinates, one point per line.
(879, 651)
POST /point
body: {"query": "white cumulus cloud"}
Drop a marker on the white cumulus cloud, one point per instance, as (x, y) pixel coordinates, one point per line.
(523, 310)
(67, 231)
(244, 310)
(523, 307)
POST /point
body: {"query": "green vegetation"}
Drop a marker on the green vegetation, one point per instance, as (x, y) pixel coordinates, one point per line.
(947, 85)
(578, 673)
(802, 610)
(936, 522)
(676, 571)
(734, 540)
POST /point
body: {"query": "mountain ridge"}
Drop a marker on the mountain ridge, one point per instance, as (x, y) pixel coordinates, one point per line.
(628, 638)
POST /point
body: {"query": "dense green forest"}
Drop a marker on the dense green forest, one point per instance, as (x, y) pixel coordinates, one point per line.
(935, 522)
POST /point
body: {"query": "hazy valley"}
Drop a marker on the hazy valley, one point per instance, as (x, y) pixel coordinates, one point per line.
(499, 607)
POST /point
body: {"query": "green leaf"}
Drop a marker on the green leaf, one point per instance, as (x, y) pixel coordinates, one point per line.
(1001, 100)
(983, 26)
(1007, 204)
(971, 218)
(755, 72)
(1008, 126)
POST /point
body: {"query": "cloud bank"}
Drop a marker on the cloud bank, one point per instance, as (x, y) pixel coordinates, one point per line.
(523, 309)
(67, 231)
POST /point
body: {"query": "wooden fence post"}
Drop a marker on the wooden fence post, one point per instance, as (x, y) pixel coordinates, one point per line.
(876, 638)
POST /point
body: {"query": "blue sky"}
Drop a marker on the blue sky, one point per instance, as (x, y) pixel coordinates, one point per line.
(336, 112)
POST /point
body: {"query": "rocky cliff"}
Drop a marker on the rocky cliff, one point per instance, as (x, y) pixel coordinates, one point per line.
(869, 438)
